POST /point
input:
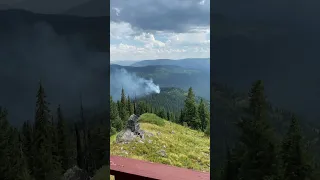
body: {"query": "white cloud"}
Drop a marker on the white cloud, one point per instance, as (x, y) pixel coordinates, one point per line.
(131, 43)
(149, 40)
(120, 30)
(202, 2)
(117, 11)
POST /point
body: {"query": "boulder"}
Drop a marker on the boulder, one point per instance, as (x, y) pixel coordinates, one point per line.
(131, 132)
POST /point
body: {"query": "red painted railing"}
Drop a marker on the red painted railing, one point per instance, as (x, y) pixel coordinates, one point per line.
(131, 169)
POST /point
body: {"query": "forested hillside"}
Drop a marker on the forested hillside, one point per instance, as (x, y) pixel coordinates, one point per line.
(44, 149)
(245, 125)
(186, 111)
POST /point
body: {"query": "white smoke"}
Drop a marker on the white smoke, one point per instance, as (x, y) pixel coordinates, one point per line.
(133, 85)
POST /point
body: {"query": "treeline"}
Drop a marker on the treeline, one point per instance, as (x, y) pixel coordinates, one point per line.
(260, 154)
(48, 147)
(193, 115)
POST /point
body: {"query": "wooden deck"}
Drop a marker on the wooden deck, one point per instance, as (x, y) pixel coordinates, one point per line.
(126, 168)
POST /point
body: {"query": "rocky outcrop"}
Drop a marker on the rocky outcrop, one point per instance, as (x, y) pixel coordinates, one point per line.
(131, 132)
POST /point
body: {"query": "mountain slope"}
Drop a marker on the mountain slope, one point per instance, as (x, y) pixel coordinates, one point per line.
(169, 98)
(180, 144)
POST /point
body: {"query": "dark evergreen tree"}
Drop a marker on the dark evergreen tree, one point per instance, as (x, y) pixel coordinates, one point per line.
(260, 158)
(62, 140)
(55, 145)
(203, 115)
(162, 113)
(5, 133)
(115, 120)
(99, 139)
(295, 164)
(27, 141)
(43, 165)
(123, 107)
(80, 156)
(230, 170)
(130, 106)
(181, 117)
(191, 116)
(18, 163)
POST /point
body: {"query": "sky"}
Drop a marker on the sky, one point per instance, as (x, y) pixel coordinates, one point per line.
(159, 29)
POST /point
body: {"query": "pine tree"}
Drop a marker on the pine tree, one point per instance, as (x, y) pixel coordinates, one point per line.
(27, 141)
(55, 147)
(43, 164)
(130, 106)
(191, 115)
(260, 158)
(115, 120)
(181, 117)
(295, 164)
(230, 170)
(203, 115)
(162, 113)
(80, 160)
(5, 133)
(172, 117)
(99, 139)
(18, 163)
(62, 140)
(123, 107)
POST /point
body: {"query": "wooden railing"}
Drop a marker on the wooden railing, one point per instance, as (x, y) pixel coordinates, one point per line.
(131, 169)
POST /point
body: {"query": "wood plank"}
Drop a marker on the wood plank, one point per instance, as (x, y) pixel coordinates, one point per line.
(148, 170)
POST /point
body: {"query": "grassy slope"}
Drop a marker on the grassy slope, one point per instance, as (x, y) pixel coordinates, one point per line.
(184, 148)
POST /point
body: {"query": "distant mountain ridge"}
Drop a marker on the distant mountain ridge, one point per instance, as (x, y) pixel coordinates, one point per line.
(194, 63)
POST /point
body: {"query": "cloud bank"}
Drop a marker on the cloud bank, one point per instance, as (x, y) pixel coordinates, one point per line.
(173, 29)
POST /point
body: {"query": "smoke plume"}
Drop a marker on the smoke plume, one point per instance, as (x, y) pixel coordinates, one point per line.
(133, 85)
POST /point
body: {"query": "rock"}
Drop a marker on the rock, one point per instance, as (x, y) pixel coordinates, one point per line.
(131, 132)
(125, 152)
(172, 132)
(148, 134)
(75, 173)
(149, 141)
(158, 133)
(125, 136)
(133, 124)
(162, 153)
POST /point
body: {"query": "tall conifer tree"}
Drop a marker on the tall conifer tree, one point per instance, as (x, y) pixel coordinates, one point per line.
(260, 159)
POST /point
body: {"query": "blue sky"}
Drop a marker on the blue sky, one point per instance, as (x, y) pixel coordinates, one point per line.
(155, 29)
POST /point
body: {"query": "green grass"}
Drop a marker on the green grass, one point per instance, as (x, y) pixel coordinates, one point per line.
(184, 147)
(152, 119)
